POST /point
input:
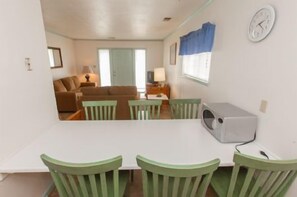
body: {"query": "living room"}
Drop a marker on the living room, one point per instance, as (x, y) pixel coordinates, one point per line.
(85, 52)
(242, 73)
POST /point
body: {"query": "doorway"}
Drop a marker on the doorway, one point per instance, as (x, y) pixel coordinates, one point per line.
(120, 67)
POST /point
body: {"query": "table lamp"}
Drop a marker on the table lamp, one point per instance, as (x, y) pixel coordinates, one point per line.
(159, 76)
(87, 70)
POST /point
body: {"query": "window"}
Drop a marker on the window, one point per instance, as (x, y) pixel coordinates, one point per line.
(140, 69)
(197, 66)
(195, 50)
(104, 63)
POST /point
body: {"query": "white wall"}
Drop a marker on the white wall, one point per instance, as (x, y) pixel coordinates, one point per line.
(243, 73)
(87, 50)
(68, 55)
(27, 101)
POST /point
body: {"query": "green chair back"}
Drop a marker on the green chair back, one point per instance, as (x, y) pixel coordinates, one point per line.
(100, 110)
(252, 176)
(144, 109)
(184, 108)
(87, 179)
(164, 180)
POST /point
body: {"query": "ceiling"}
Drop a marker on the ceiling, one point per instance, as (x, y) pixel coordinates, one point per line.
(116, 19)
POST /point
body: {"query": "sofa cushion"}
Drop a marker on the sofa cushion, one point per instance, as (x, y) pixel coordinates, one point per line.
(59, 86)
(76, 82)
(68, 83)
(95, 90)
(123, 90)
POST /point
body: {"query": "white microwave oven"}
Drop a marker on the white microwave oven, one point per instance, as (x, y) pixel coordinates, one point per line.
(228, 123)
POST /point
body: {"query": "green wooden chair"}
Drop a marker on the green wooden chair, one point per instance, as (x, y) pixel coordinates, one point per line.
(252, 176)
(144, 109)
(100, 110)
(184, 108)
(166, 180)
(100, 179)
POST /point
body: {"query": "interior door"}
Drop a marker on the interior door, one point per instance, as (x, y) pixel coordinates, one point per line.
(122, 67)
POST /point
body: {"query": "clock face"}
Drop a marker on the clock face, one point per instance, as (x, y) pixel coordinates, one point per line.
(261, 23)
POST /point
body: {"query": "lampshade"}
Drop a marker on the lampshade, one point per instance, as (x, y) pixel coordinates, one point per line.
(87, 70)
(159, 74)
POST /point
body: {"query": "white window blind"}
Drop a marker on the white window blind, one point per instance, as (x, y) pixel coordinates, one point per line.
(197, 66)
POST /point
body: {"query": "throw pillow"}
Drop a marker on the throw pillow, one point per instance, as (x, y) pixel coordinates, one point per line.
(59, 86)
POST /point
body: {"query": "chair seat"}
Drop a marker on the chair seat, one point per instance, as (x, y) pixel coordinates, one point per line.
(221, 180)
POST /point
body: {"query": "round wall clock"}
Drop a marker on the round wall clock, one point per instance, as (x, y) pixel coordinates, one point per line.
(261, 23)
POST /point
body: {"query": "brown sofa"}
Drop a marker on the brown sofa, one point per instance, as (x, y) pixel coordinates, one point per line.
(67, 92)
(119, 93)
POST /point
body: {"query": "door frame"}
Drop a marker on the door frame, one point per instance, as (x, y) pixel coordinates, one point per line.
(110, 59)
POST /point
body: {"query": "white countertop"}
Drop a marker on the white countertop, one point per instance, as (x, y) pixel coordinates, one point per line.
(168, 141)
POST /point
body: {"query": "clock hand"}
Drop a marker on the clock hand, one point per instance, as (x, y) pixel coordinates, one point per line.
(260, 24)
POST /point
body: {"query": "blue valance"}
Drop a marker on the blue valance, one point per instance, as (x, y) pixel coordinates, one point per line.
(198, 41)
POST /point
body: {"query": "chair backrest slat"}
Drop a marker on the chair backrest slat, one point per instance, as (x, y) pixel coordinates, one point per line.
(263, 177)
(59, 186)
(205, 182)
(184, 108)
(144, 109)
(82, 185)
(103, 184)
(175, 180)
(286, 183)
(73, 185)
(93, 185)
(65, 184)
(195, 186)
(259, 182)
(100, 110)
(165, 186)
(116, 183)
(247, 182)
(145, 182)
(86, 179)
(186, 186)
(277, 182)
(156, 184)
(269, 182)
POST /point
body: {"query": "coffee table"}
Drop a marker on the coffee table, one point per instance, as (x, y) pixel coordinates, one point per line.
(163, 97)
(156, 97)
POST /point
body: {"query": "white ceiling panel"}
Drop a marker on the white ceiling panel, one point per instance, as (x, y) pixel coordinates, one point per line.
(119, 19)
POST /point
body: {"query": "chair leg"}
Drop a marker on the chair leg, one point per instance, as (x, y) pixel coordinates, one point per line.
(132, 175)
(49, 190)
